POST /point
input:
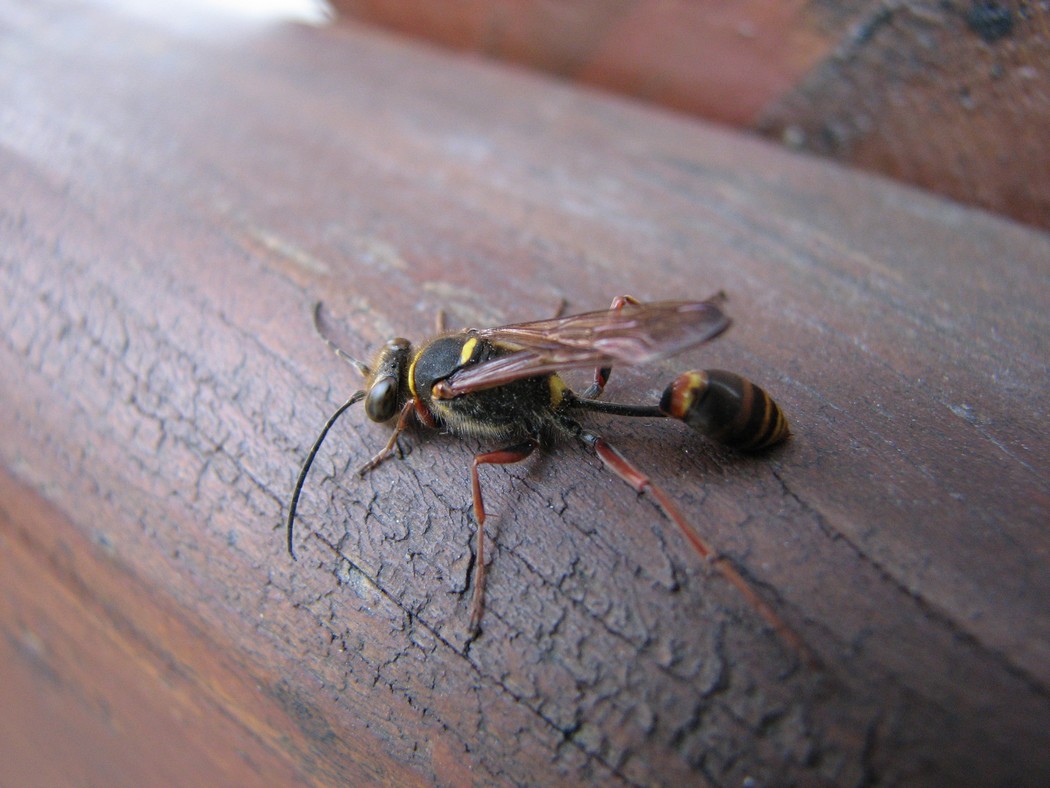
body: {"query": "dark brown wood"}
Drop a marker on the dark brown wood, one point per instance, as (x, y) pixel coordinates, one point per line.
(175, 196)
(950, 96)
(725, 61)
(108, 680)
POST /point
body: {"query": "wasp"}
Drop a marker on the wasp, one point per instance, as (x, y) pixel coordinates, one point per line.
(503, 385)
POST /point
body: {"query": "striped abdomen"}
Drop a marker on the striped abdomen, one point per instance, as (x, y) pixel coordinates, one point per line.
(727, 408)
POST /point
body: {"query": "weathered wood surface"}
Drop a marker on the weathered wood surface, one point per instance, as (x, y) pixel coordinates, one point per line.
(951, 96)
(722, 61)
(174, 198)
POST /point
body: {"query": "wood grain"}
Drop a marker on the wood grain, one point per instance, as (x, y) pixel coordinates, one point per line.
(949, 96)
(177, 193)
(722, 61)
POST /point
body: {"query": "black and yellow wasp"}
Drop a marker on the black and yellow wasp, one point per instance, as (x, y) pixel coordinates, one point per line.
(503, 385)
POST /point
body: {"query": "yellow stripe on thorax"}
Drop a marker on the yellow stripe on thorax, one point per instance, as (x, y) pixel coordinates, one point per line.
(468, 350)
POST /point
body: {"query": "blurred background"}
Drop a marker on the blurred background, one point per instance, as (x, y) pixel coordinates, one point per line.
(952, 96)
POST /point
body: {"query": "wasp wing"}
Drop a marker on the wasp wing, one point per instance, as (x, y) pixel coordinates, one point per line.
(631, 334)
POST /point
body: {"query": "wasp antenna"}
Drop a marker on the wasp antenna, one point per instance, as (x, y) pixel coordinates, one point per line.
(355, 397)
(360, 366)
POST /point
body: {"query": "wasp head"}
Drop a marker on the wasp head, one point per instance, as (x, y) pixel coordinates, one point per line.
(387, 388)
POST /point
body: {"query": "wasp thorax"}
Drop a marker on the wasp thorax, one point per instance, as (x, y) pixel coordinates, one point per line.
(385, 391)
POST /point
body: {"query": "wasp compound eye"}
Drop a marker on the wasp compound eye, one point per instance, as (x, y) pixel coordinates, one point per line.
(381, 402)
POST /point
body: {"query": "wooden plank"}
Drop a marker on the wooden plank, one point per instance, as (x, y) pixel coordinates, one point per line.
(952, 97)
(722, 61)
(106, 681)
(175, 197)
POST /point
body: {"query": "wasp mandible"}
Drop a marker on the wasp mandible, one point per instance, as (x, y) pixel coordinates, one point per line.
(503, 385)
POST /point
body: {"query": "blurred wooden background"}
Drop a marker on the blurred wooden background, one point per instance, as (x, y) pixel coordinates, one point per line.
(953, 97)
(180, 185)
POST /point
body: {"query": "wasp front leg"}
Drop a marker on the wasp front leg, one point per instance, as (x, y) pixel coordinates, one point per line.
(407, 410)
(601, 374)
(511, 454)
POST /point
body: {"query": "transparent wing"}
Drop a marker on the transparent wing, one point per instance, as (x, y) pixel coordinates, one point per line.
(632, 334)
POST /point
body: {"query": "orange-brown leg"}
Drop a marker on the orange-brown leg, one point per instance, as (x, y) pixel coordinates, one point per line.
(622, 467)
(511, 454)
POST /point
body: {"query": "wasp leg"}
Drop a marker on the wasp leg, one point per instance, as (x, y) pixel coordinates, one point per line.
(601, 374)
(402, 422)
(511, 454)
(622, 467)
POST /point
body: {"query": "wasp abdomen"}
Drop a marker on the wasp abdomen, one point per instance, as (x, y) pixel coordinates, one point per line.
(727, 408)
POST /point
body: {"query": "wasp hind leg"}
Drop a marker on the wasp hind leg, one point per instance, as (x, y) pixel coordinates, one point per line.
(511, 454)
(613, 460)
